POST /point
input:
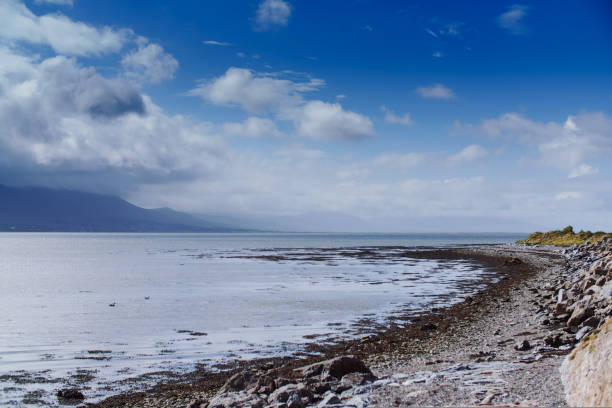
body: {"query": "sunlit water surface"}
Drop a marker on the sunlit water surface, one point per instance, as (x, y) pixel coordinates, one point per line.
(90, 310)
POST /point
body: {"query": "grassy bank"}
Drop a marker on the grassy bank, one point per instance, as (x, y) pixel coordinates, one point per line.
(566, 236)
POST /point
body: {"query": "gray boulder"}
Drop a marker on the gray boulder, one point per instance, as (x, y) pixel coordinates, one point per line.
(235, 400)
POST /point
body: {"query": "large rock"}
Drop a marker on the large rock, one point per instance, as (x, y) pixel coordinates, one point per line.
(587, 372)
(70, 394)
(582, 311)
(235, 400)
(340, 366)
(558, 339)
(237, 382)
(336, 367)
(290, 391)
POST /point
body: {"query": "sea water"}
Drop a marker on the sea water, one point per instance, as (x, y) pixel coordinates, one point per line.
(95, 310)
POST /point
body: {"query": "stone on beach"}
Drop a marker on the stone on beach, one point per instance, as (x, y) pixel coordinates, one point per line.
(70, 394)
(522, 346)
(335, 367)
(236, 399)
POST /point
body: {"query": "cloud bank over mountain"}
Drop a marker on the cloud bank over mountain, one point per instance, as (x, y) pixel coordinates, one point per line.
(103, 107)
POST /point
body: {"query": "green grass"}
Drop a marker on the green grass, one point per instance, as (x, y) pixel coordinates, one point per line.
(566, 236)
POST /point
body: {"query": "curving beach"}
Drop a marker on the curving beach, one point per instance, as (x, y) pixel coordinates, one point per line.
(495, 348)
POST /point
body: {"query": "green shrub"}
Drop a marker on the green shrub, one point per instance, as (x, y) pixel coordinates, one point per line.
(566, 236)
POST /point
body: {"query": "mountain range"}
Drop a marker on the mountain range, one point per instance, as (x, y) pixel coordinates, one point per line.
(44, 209)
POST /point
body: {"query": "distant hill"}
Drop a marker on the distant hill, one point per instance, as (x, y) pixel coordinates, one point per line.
(43, 209)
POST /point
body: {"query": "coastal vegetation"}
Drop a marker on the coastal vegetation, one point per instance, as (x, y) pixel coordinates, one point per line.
(566, 236)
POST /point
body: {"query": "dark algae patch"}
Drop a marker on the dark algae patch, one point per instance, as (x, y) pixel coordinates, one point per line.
(566, 236)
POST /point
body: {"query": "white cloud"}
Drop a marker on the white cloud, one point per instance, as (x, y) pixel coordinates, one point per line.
(253, 127)
(353, 173)
(149, 63)
(565, 146)
(467, 155)
(12, 64)
(437, 54)
(391, 117)
(452, 29)
(299, 151)
(57, 2)
(512, 20)
(18, 23)
(283, 94)
(272, 13)
(436, 91)
(582, 170)
(218, 43)
(66, 125)
(514, 126)
(329, 121)
(254, 92)
(399, 160)
(430, 32)
(569, 195)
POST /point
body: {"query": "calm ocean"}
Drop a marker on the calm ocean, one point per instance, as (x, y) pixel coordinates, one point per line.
(118, 305)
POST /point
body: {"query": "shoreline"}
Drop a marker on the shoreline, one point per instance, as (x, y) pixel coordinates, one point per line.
(395, 349)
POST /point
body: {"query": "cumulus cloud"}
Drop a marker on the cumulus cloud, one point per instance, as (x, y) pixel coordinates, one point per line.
(254, 92)
(565, 145)
(328, 121)
(253, 127)
(467, 155)
(149, 63)
(285, 97)
(272, 13)
(59, 85)
(512, 20)
(66, 125)
(582, 170)
(391, 117)
(436, 91)
(18, 23)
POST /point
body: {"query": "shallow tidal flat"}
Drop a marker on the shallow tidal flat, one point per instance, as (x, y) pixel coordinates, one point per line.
(109, 313)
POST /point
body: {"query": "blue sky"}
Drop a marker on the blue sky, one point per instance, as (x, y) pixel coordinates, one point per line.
(494, 113)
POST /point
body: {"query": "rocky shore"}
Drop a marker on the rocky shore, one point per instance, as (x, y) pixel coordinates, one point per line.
(502, 347)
